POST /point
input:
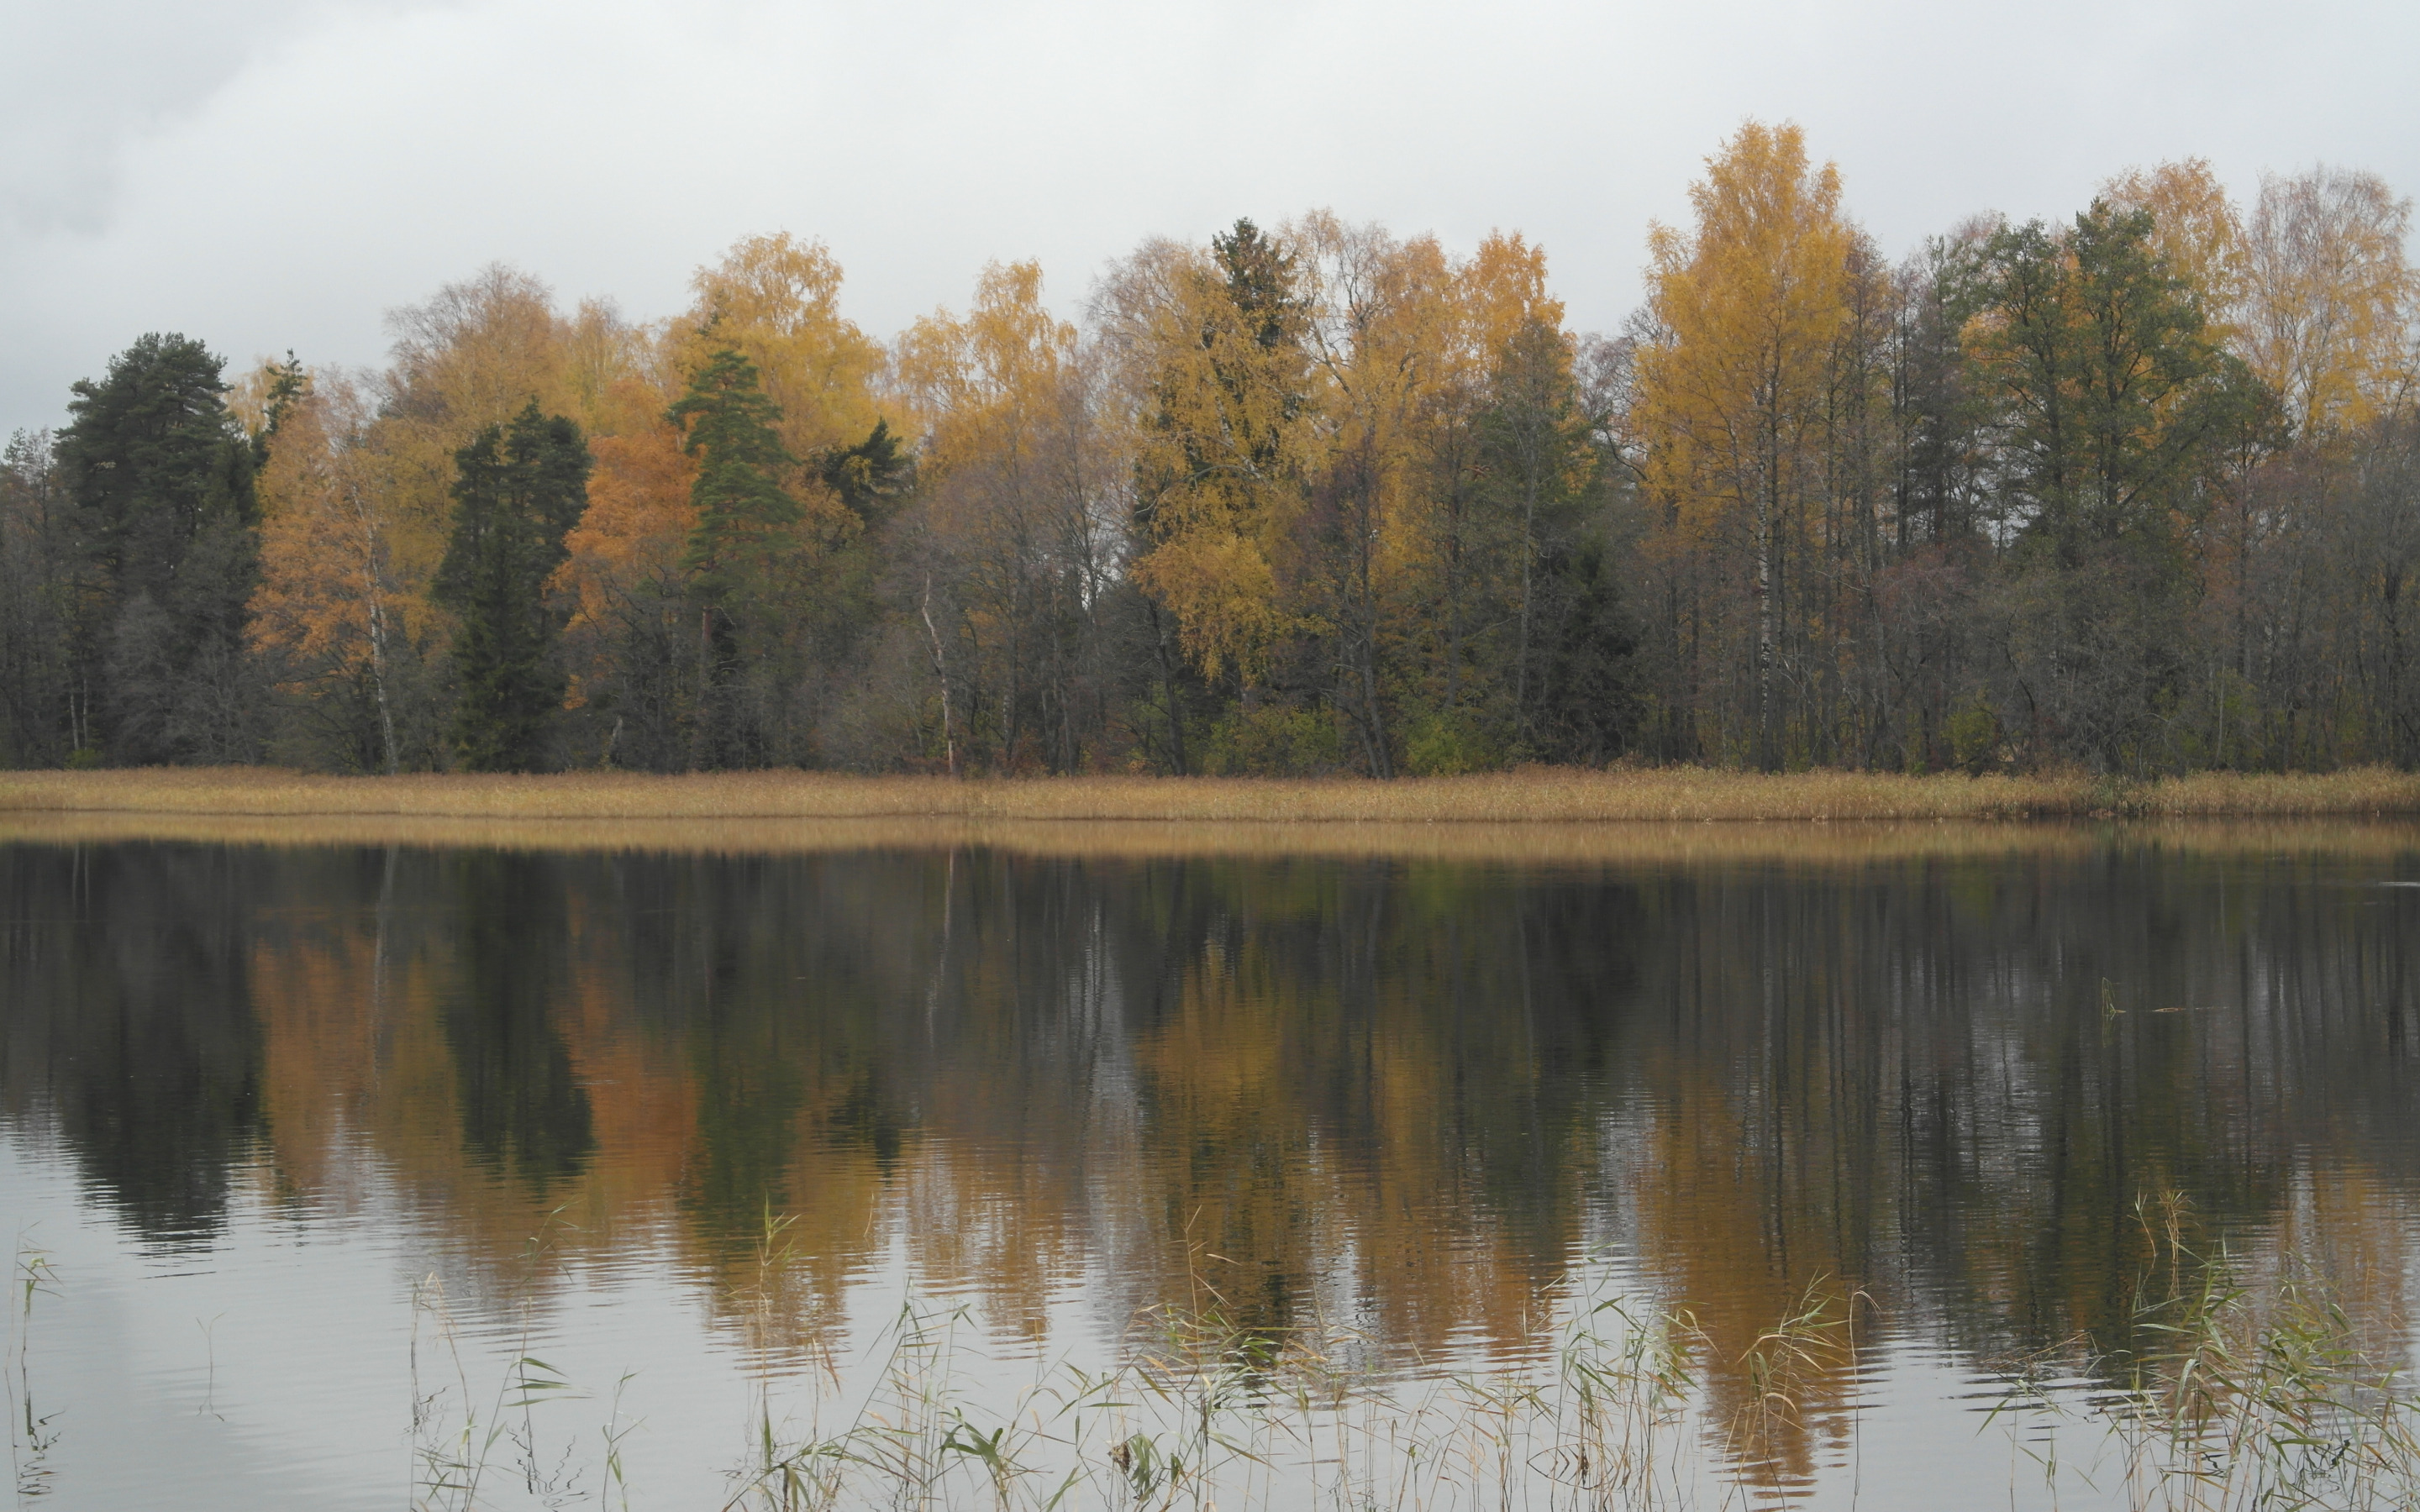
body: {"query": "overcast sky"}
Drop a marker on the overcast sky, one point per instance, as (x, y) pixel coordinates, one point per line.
(275, 173)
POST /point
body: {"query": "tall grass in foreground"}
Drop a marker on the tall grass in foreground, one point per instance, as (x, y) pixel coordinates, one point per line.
(2233, 1400)
(465, 1437)
(31, 1435)
(2241, 1398)
(1203, 1415)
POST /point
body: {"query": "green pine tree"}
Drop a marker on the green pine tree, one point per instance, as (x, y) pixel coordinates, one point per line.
(744, 514)
(745, 541)
(160, 478)
(871, 476)
(518, 490)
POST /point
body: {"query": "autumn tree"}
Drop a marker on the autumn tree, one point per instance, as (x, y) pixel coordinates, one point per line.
(2197, 232)
(775, 299)
(1379, 330)
(1007, 564)
(470, 355)
(2329, 292)
(1742, 313)
(1491, 444)
(328, 618)
(631, 637)
(1207, 346)
(2128, 489)
(519, 488)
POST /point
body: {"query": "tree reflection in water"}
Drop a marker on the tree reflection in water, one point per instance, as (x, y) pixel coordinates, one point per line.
(1395, 1097)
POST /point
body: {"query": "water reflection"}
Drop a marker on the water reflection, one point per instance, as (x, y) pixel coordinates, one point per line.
(130, 1020)
(521, 1110)
(1395, 1095)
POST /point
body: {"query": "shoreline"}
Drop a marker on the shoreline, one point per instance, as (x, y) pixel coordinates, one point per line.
(1678, 816)
(1578, 843)
(1534, 795)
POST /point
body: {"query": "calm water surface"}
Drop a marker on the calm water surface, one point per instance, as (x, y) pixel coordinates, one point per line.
(302, 1142)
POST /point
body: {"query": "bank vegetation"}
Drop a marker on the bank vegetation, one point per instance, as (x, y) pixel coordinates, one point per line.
(2135, 491)
(1530, 796)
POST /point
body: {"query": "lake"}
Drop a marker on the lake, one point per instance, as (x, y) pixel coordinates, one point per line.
(1860, 1161)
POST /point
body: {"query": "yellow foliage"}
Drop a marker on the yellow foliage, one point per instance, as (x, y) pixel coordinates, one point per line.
(970, 383)
(1220, 433)
(476, 352)
(1502, 289)
(1223, 591)
(2196, 232)
(613, 378)
(1744, 311)
(2329, 294)
(326, 609)
(776, 299)
(469, 357)
(1357, 402)
(1733, 383)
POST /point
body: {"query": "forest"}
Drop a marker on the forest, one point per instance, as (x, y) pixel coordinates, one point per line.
(2135, 493)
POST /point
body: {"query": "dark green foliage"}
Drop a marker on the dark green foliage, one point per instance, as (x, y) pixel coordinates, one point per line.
(744, 514)
(150, 454)
(43, 575)
(1587, 706)
(523, 1109)
(744, 558)
(872, 476)
(1531, 442)
(1261, 281)
(287, 384)
(2113, 389)
(520, 489)
(2116, 412)
(1936, 489)
(160, 480)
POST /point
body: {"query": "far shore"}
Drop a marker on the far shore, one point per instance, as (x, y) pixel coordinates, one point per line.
(1534, 795)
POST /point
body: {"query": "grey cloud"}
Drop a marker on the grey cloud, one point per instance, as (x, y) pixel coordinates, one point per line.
(278, 174)
(85, 79)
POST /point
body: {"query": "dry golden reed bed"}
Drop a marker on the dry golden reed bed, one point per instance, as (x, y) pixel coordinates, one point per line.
(1535, 817)
(1535, 796)
(1618, 844)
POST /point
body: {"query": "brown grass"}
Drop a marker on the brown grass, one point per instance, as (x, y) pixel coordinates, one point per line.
(1662, 843)
(1531, 816)
(1529, 796)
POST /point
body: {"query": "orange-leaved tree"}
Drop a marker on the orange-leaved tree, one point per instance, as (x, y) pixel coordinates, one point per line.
(328, 616)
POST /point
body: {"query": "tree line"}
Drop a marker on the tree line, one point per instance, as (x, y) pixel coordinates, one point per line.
(2138, 491)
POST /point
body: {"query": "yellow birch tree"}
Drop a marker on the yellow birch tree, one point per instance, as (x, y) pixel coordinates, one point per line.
(1744, 310)
(2330, 294)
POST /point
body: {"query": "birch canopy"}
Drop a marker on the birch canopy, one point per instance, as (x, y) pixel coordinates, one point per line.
(2129, 490)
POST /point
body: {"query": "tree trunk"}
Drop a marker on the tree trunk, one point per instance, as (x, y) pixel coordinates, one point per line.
(374, 602)
(941, 672)
(1167, 668)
